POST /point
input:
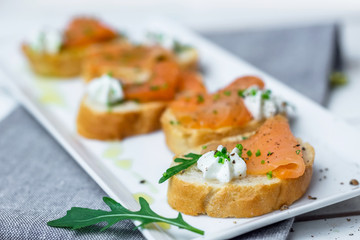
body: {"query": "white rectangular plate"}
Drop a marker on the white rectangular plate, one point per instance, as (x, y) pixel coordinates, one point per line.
(119, 166)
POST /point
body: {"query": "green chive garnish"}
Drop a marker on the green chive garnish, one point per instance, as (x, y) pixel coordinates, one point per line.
(241, 93)
(262, 161)
(253, 92)
(269, 175)
(266, 94)
(216, 97)
(249, 153)
(297, 152)
(154, 88)
(204, 147)
(258, 153)
(227, 93)
(239, 146)
(200, 98)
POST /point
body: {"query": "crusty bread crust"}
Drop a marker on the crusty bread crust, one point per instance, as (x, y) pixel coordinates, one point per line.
(180, 139)
(66, 63)
(100, 123)
(248, 197)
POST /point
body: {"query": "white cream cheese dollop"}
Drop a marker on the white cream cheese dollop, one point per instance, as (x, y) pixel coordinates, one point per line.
(262, 104)
(224, 171)
(105, 90)
(48, 41)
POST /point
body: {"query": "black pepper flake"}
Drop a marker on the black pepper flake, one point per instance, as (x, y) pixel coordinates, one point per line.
(341, 183)
(284, 207)
(348, 219)
(354, 182)
(303, 148)
(297, 145)
(270, 153)
(143, 181)
(312, 198)
(351, 234)
(233, 161)
(292, 230)
(232, 154)
(326, 169)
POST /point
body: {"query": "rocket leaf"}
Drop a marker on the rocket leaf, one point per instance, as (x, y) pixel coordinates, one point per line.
(77, 217)
(184, 164)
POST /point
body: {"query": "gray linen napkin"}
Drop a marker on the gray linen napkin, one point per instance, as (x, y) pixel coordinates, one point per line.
(40, 181)
(302, 57)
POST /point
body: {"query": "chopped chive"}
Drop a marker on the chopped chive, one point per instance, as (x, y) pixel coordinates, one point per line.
(221, 160)
(200, 98)
(266, 94)
(297, 152)
(154, 88)
(241, 93)
(227, 93)
(262, 161)
(216, 96)
(258, 153)
(224, 150)
(109, 73)
(240, 147)
(204, 147)
(249, 153)
(253, 92)
(174, 122)
(165, 85)
(269, 175)
(243, 138)
(215, 111)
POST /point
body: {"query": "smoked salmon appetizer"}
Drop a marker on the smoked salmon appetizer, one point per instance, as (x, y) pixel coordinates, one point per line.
(239, 108)
(237, 177)
(56, 53)
(129, 87)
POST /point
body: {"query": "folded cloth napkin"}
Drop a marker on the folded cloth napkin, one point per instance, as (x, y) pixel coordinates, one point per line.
(302, 57)
(40, 181)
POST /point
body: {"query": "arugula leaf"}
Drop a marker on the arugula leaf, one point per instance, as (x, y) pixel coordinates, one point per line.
(77, 217)
(184, 164)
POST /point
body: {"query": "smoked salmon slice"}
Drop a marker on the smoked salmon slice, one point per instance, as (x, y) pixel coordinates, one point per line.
(273, 150)
(190, 84)
(85, 31)
(220, 109)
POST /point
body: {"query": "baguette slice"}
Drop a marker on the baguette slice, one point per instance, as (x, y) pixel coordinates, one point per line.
(66, 63)
(180, 139)
(251, 196)
(95, 121)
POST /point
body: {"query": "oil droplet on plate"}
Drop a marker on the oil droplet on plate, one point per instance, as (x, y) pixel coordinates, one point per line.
(112, 151)
(147, 197)
(124, 164)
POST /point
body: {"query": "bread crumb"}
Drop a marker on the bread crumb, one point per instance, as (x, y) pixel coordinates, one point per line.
(312, 198)
(354, 182)
(284, 207)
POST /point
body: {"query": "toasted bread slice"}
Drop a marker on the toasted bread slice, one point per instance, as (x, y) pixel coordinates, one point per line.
(95, 121)
(180, 139)
(66, 63)
(254, 195)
